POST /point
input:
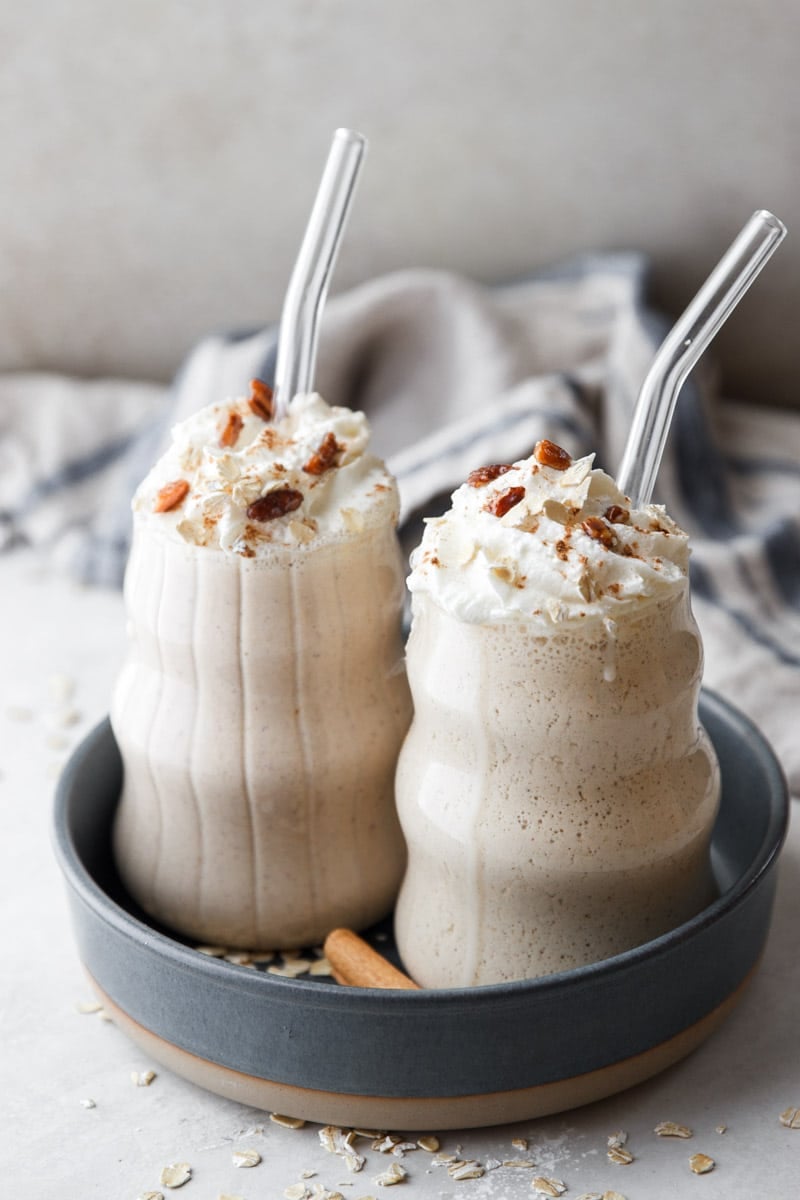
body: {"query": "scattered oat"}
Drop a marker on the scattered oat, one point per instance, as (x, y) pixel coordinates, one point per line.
(491, 1164)
(292, 968)
(721, 1129)
(307, 1174)
(60, 688)
(620, 1155)
(176, 1175)
(352, 520)
(385, 1143)
(596, 1195)
(240, 958)
(102, 1015)
(517, 1162)
(392, 1175)
(323, 967)
(142, 1078)
(302, 531)
(429, 1143)
(369, 1133)
(263, 956)
(612, 1196)
(88, 1103)
(151, 1196)
(213, 951)
(287, 1122)
(548, 1187)
(790, 1117)
(228, 1196)
(88, 1006)
(246, 1158)
(554, 510)
(18, 712)
(671, 1129)
(402, 1148)
(519, 1143)
(618, 1138)
(701, 1164)
(470, 1169)
(296, 1191)
(336, 1141)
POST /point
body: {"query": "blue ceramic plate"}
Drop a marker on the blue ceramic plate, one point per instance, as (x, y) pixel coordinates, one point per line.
(428, 1059)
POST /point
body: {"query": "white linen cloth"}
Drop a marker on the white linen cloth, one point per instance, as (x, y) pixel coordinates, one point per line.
(454, 375)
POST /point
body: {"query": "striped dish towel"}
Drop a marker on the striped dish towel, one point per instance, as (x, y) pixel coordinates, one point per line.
(454, 375)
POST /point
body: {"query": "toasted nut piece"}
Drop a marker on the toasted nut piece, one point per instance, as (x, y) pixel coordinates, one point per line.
(260, 401)
(598, 529)
(275, 504)
(171, 495)
(233, 427)
(325, 457)
(617, 515)
(499, 505)
(551, 455)
(483, 475)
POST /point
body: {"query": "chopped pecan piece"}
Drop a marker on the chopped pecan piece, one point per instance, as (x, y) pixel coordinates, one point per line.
(325, 457)
(275, 504)
(550, 455)
(260, 401)
(617, 515)
(600, 530)
(171, 495)
(483, 475)
(230, 434)
(499, 505)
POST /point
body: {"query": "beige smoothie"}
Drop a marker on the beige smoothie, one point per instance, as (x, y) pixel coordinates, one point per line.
(556, 789)
(263, 700)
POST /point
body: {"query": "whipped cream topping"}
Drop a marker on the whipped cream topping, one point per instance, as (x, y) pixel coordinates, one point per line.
(225, 459)
(546, 545)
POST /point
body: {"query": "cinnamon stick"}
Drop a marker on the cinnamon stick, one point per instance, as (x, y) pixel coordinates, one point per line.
(356, 964)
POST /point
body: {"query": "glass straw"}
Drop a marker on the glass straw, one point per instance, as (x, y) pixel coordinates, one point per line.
(683, 346)
(308, 286)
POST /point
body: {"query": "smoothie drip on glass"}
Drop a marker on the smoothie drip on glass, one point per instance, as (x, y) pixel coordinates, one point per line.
(263, 700)
(556, 790)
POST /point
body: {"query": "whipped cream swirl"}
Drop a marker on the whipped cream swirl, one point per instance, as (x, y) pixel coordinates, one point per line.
(229, 458)
(547, 545)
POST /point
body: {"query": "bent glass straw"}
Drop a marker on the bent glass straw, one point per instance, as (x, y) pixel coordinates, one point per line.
(683, 346)
(308, 286)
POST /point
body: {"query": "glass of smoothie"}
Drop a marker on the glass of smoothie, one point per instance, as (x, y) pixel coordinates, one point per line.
(556, 789)
(263, 701)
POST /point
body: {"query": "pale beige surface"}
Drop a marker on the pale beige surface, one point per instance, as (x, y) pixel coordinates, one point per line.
(159, 158)
(52, 1147)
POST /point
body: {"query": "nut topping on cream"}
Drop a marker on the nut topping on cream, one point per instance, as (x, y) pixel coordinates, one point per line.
(234, 482)
(547, 540)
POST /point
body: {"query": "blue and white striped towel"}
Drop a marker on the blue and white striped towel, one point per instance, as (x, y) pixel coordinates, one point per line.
(454, 375)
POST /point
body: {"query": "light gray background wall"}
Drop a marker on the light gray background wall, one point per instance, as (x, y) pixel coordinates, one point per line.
(158, 158)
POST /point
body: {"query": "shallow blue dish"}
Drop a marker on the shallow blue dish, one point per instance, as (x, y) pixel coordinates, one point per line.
(429, 1059)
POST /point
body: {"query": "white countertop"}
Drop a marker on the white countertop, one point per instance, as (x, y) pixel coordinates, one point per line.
(54, 1058)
